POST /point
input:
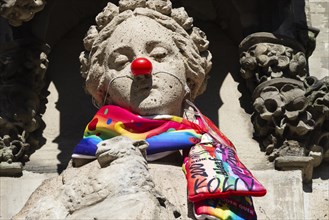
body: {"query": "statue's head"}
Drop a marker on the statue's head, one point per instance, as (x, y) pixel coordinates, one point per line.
(175, 60)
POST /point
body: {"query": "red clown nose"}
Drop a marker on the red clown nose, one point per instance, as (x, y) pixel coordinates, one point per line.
(141, 66)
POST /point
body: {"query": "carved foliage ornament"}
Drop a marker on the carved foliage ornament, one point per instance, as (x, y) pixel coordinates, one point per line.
(291, 109)
(22, 68)
(265, 58)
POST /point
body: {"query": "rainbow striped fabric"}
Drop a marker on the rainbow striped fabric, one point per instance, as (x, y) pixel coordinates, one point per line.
(162, 132)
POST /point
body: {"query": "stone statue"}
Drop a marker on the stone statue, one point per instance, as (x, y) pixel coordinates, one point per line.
(180, 64)
(144, 63)
(177, 50)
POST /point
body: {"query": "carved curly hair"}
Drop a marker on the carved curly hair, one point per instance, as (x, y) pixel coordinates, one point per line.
(191, 41)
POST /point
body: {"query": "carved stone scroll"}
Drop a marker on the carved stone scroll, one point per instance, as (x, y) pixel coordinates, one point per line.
(22, 68)
(291, 108)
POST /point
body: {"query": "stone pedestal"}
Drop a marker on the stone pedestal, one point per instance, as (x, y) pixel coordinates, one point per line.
(284, 198)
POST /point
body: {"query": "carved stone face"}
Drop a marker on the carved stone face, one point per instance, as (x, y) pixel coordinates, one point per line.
(161, 93)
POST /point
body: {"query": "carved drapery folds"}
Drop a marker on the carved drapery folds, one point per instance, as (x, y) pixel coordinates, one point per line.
(19, 11)
(291, 108)
(22, 68)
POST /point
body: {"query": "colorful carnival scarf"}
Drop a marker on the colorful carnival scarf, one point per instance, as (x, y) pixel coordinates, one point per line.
(216, 179)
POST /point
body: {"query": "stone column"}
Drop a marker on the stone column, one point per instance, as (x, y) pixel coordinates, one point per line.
(291, 108)
(23, 64)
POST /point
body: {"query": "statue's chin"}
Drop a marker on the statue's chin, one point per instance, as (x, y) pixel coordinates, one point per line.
(147, 109)
(152, 110)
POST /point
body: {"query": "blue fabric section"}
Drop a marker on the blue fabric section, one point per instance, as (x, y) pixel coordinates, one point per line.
(169, 141)
(87, 146)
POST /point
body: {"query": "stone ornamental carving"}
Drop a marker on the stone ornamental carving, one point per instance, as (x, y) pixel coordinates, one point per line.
(22, 68)
(19, 11)
(291, 108)
(265, 56)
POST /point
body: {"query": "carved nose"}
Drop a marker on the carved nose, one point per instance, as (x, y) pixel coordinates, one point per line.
(141, 66)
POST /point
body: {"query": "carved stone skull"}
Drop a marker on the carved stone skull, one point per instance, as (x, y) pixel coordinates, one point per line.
(270, 103)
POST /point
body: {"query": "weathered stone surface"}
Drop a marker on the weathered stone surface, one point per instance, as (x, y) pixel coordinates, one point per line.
(19, 11)
(162, 6)
(296, 163)
(284, 198)
(102, 19)
(123, 189)
(107, 152)
(318, 17)
(170, 180)
(131, 4)
(14, 192)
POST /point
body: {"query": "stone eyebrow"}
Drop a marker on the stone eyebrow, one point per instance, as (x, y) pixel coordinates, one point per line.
(122, 49)
(150, 45)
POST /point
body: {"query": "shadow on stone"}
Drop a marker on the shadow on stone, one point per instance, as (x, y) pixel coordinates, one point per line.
(73, 104)
(225, 60)
(321, 172)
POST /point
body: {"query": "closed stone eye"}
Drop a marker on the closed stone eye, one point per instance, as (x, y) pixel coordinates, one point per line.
(159, 53)
(121, 60)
